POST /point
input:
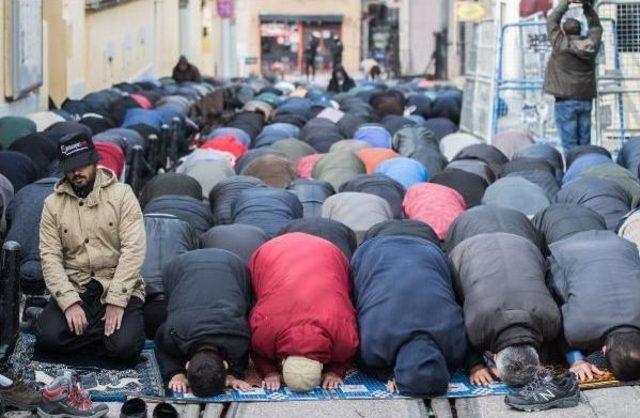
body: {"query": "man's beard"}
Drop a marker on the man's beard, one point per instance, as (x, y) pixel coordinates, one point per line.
(83, 191)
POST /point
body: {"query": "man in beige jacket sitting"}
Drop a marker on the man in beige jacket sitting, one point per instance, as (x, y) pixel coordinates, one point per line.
(92, 244)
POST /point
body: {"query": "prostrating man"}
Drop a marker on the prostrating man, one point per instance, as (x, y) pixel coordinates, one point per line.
(303, 323)
(411, 328)
(595, 276)
(571, 72)
(508, 310)
(92, 245)
(204, 343)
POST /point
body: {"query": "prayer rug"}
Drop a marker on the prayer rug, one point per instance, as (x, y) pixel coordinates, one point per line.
(110, 383)
(357, 386)
(105, 382)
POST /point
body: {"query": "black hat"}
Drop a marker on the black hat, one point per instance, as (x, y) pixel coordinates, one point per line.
(76, 150)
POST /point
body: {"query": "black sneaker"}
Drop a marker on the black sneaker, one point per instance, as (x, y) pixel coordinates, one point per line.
(20, 395)
(546, 392)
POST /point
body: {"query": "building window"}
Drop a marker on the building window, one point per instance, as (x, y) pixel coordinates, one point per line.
(628, 27)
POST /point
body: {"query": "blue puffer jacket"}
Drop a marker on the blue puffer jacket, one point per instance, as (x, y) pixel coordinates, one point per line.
(410, 324)
(266, 208)
(23, 220)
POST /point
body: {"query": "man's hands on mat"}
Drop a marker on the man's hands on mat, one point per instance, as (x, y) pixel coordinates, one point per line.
(76, 319)
(331, 381)
(179, 383)
(237, 384)
(272, 381)
(481, 376)
(112, 319)
(585, 370)
(391, 386)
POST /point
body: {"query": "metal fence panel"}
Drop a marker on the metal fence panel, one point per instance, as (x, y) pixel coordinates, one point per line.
(523, 53)
(479, 81)
(618, 104)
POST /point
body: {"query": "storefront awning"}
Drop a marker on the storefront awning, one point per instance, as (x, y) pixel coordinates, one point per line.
(277, 18)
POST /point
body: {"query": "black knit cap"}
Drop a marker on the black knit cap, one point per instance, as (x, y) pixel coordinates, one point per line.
(76, 150)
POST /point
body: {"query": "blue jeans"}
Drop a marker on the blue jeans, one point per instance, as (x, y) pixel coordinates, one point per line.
(573, 121)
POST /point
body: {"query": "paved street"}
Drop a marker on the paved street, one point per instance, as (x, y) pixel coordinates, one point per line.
(599, 403)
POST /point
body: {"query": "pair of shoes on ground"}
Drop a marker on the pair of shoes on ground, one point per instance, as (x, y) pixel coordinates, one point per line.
(137, 408)
(546, 391)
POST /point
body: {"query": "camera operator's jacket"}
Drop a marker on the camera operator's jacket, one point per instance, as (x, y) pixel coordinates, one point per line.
(571, 71)
(101, 237)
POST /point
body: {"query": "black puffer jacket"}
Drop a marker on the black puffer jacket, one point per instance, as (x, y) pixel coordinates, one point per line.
(501, 279)
(403, 228)
(379, 185)
(194, 212)
(560, 221)
(167, 238)
(335, 232)
(209, 294)
(170, 183)
(591, 305)
(242, 240)
(490, 219)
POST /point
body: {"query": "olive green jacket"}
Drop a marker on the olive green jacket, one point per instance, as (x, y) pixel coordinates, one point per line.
(101, 237)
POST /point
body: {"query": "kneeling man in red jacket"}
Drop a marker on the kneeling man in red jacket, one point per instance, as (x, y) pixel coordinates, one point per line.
(303, 322)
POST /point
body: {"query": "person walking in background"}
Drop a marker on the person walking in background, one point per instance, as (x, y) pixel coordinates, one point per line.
(571, 72)
(185, 71)
(340, 81)
(310, 54)
(336, 51)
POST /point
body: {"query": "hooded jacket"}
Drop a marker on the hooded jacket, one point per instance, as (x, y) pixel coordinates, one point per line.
(500, 278)
(100, 237)
(591, 306)
(571, 71)
(410, 324)
(302, 290)
(209, 297)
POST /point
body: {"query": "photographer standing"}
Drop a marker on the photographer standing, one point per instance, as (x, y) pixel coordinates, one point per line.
(571, 72)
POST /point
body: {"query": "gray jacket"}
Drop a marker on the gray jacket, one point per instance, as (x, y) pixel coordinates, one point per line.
(595, 275)
(571, 71)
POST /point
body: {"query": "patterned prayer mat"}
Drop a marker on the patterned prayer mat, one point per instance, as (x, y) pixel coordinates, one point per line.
(105, 384)
(357, 386)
